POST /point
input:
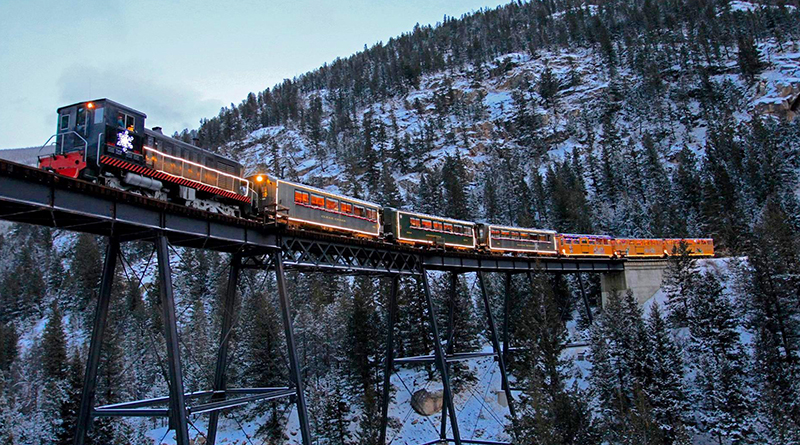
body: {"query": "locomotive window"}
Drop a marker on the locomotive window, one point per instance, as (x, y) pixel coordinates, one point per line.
(426, 224)
(64, 122)
(98, 115)
(448, 227)
(359, 211)
(372, 214)
(437, 225)
(300, 197)
(81, 117)
(414, 222)
(347, 207)
(331, 204)
(129, 122)
(584, 241)
(317, 201)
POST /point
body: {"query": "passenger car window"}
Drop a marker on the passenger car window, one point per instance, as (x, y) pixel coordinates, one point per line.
(426, 224)
(300, 197)
(347, 207)
(448, 227)
(372, 214)
(317, 201)
(359, 211)
(414, 222)
(437, 225)
(331, 204)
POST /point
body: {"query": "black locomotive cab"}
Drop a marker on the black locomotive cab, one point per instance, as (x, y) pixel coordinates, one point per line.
(87, 131)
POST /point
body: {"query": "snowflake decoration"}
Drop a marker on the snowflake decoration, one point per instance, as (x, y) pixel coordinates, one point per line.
(124, 141)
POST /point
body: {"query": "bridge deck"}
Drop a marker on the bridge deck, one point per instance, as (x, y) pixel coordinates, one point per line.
(32, 196)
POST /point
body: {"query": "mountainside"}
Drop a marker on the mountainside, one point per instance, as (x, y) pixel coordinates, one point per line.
(611, 118)
(627, 117)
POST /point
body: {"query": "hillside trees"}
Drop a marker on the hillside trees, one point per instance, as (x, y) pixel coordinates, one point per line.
(720, 363)
(550, 412)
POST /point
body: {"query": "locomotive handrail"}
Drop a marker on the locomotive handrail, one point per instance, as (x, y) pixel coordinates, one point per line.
(85, 143)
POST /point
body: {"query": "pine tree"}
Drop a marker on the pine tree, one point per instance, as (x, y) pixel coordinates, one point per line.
(749, 57)
(8, 346)
(549, 412)
(390, 195)
(619, 354)
(54, 348)
(678, 283)
(85, 269)
(454, 183)
(334, 424)
(70, 405)
(664, 383)
(719, 360)
(263, 360)
(363, 334)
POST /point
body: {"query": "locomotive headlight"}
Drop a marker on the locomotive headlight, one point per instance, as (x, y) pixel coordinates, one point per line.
(90, 105)
(260, 178)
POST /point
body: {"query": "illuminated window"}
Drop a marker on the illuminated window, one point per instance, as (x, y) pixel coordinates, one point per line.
(459, 229)
(426, 224)
(372, 214)
(495, 232)
(414, 222)
(125, 121)
(437, 225)
(524, 236)
(347, 207)
(359, 211)
(331, 204)
(300, 197)
(317, 201)
(505, 233)
(448, 227)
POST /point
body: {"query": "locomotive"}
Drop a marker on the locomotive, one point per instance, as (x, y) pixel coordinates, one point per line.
(106, 142)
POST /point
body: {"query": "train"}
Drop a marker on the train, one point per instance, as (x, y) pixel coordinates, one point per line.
(106, 142)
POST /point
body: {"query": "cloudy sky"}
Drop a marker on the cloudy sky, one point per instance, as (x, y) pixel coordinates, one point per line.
(178, 61)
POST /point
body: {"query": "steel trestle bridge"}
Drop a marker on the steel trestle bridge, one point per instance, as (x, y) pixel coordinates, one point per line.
(32, 196)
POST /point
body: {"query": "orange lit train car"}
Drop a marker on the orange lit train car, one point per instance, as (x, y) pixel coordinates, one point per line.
(696, 246)
(585, 245)
(639, 248)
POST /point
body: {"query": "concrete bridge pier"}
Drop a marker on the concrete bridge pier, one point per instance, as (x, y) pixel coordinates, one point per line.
(643, 277)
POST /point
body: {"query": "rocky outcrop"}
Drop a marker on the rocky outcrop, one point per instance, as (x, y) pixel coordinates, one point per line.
(427, 403)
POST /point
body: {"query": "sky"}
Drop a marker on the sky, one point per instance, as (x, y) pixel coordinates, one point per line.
(179, 61)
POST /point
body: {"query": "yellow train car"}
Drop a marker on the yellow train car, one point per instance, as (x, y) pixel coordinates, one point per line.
(585, 245)
(703, 247)
(639, 248)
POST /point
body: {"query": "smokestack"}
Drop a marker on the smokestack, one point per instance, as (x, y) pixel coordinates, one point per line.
(157, 130)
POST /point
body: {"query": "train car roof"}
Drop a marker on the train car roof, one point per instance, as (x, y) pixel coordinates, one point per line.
(104, 100)
(553, 232)
(577, 235)
(156, 134)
